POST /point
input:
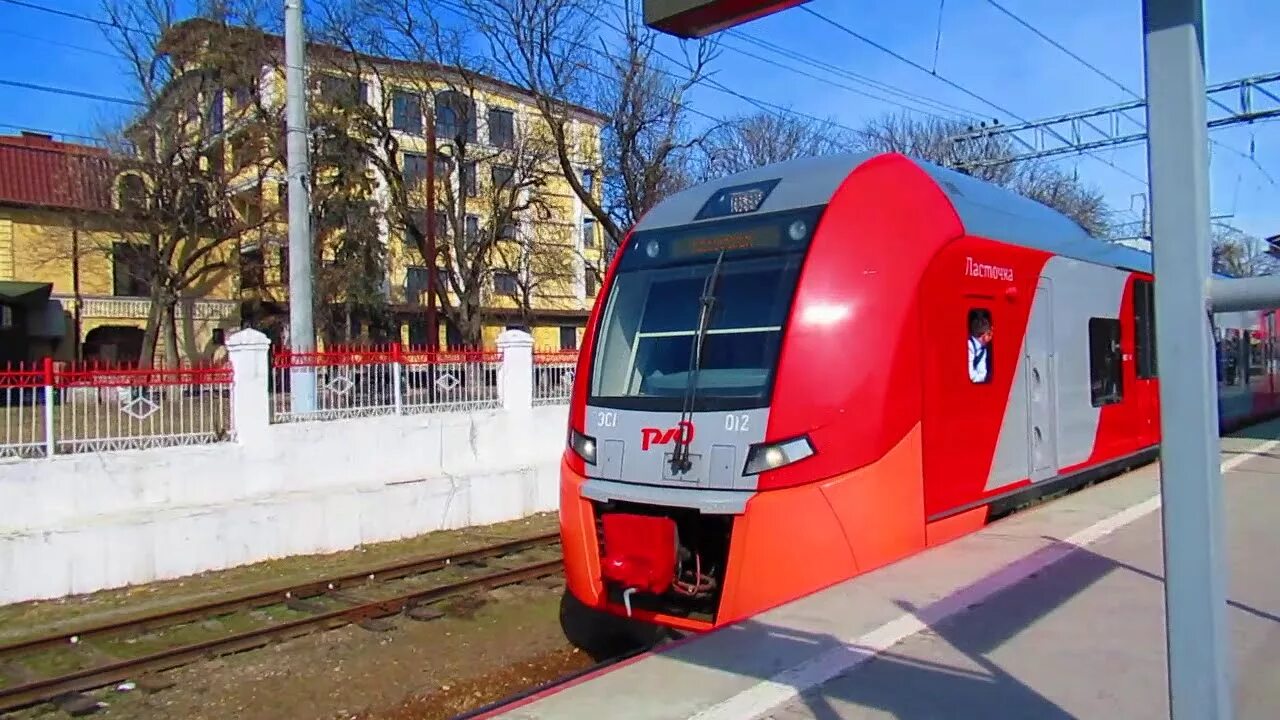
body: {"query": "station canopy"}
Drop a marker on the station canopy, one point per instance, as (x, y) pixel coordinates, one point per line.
(698, 18)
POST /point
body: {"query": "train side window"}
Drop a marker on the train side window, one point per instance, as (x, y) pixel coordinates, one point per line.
(979, 349)
(1144, 328)
(1105, 384)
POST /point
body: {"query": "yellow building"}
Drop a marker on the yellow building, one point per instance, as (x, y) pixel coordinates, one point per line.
(543, 268)
(71, 284)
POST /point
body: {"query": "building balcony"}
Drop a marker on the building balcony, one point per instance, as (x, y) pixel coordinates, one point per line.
(136, 308)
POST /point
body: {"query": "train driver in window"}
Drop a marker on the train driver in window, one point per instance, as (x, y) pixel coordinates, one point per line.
(979, 346)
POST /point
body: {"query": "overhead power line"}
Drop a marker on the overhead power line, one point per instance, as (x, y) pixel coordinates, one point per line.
(931, 106)
(1251, 95)
(1132, 93)
(53, 133)
(59, 43)
(711, 84)
(77, 16)
(850, 31)
(72, 93)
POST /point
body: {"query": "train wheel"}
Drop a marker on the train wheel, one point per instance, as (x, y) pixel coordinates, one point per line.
(595, 632)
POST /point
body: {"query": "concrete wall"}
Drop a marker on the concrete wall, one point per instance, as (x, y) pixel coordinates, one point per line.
(84, 522)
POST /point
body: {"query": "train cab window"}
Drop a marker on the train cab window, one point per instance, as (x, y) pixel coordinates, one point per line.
(1105, 384)
(1144, 328)
(979, 346)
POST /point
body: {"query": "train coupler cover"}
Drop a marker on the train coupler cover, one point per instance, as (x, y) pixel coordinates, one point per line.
(640, 551)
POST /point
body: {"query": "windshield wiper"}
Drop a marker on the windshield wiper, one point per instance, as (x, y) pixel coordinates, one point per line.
(680, 463)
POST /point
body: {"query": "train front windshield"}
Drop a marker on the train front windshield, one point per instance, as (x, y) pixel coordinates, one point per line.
(748, 268)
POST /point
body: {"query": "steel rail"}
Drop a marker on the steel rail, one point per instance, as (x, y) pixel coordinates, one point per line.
(272, 596)
(45, 689)
(523, 695)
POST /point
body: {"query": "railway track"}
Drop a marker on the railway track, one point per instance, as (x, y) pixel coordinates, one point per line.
(300, 598)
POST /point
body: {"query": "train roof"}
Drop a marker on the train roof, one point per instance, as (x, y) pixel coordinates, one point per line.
(985, 209)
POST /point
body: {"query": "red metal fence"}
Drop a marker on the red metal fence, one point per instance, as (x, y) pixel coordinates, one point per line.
(553, 376)
(50, 408)
(384, 380)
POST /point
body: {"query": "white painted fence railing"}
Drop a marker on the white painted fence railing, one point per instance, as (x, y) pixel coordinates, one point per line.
(46, 410)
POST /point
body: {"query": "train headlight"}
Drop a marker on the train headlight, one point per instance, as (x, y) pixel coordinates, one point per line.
(652, 249)
(771, 456)
(583, 446)
(798, 230)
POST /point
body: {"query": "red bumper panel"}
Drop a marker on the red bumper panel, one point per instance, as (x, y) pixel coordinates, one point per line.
(640, 551)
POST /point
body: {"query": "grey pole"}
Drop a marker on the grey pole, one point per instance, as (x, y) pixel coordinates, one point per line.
(1190, 487)
(1255, 293)
(302, 335)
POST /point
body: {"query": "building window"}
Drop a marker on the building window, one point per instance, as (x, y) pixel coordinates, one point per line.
(591, 283)
(415, 285)
(507, 231)
(470, 179)
(455, 116)
(130, 271)
(406, 112)
(502, 175)
(133, 194)
(568, 337)
(1105, 385)
(282, 261)
(216, 114)
(1144, 328)
(504, 282)
(219, 337)
(588, 180)
(251, 269)
(473, 228)
(502, 128)
(343, 91)
(979, 351)
(414, 169)
(588, 232)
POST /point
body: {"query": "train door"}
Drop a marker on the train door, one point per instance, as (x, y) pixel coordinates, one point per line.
(1041, 383)
(1146, 387)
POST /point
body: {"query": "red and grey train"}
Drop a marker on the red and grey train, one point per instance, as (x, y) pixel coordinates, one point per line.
(809, 370)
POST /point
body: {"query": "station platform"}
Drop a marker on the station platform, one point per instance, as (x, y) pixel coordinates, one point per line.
(1053, 612)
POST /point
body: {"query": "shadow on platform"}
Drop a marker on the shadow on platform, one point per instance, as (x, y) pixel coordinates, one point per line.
(909, 688)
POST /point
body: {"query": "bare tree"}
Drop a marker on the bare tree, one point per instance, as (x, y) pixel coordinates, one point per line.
(765, 138)
(538, 269)
(553, 49)
(1051, 186)
(1238, 254)
(191, 165)
(431, 89)
(931, 140)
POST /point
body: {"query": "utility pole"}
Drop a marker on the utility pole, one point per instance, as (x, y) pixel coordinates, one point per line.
(302, 334)
(1190, 477)
(433, 318)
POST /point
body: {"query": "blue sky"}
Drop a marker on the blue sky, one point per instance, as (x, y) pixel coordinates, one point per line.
(980, 49)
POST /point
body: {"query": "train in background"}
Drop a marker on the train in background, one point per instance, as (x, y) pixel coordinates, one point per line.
(806, 371)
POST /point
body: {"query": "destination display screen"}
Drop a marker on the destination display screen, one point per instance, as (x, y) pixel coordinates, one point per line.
(766, 237)
(786, 231)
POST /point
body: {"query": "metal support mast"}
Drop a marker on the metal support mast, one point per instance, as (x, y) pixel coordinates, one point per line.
(1190, 478)
(302, 335)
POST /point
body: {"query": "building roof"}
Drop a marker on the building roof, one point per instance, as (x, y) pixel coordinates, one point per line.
(985, 209)
(38, 171)
(183, 33)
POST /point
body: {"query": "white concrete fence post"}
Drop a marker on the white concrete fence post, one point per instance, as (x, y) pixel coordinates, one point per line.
(515, 376)
(250, 383)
